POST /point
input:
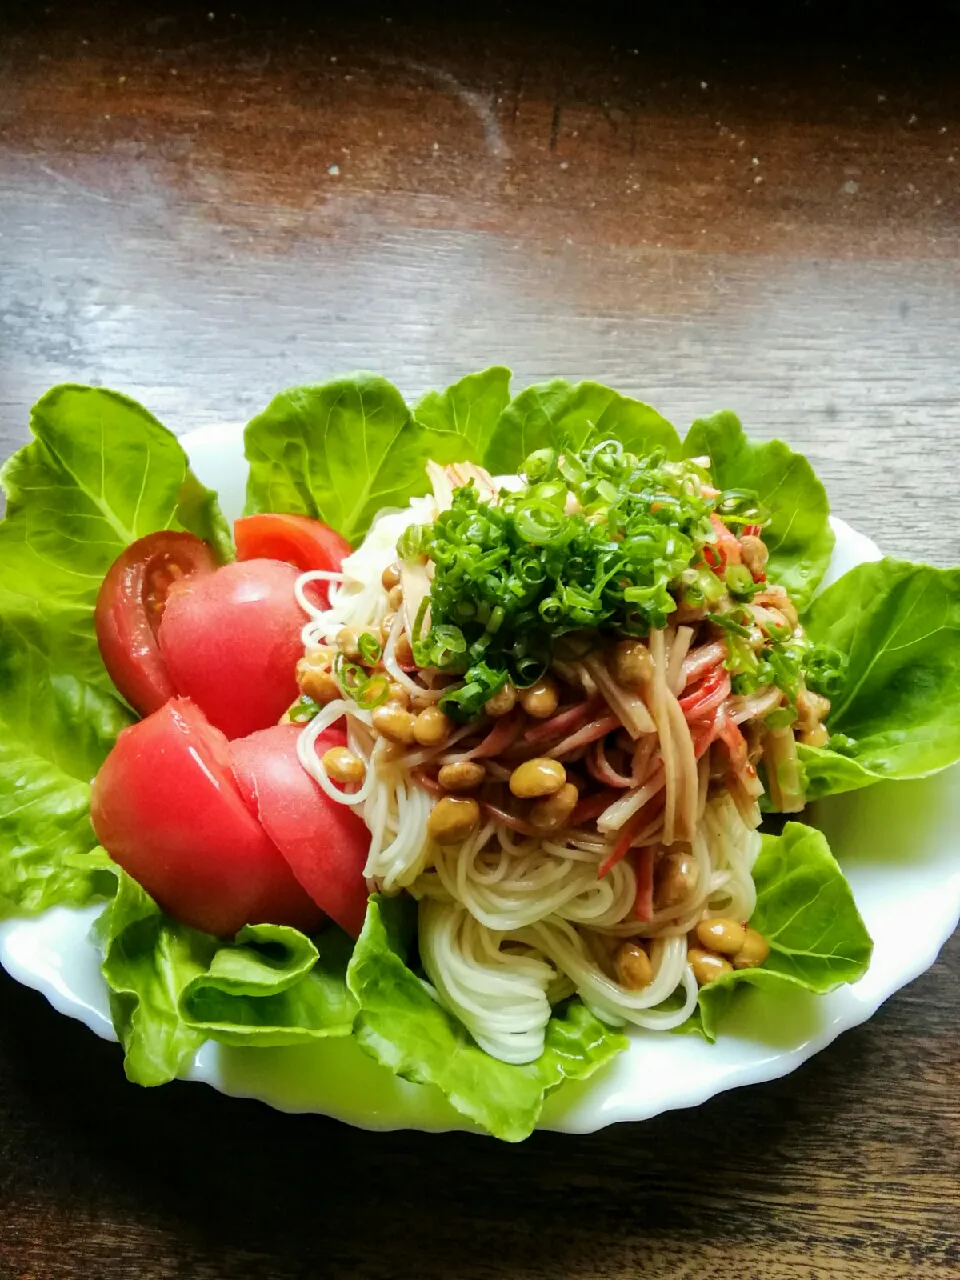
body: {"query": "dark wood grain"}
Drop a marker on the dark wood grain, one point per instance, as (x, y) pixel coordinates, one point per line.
(201, 209)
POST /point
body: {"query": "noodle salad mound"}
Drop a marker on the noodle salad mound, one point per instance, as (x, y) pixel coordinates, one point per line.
(477, 740)
(562, 692)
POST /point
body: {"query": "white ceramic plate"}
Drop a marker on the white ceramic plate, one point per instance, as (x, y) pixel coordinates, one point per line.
(898, 847)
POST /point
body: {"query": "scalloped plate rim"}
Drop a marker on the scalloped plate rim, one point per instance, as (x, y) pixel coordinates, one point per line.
(51, 954)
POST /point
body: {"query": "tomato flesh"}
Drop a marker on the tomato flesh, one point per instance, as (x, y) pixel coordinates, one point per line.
(325, 843)
(231, 641)
(130, 605)
(166, 807)
(303, 542)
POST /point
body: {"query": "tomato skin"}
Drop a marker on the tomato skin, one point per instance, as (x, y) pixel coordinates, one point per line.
(167, 809)
(301, 541)
(325, 843)
(129, 607)
(247, 753)
(231, 642)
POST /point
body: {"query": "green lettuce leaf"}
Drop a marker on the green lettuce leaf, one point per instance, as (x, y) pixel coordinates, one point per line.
(798, 537)
(100, 472)
(896, 711)
(401, 1025)
(463, 417)
(828, 772)
(557, 414)
(273, 986)
(148, 961)
(341, 452)
(45, 771)
(806, 911)
(173, 987)
(577, 1045)
(198, 511)
(44, 817)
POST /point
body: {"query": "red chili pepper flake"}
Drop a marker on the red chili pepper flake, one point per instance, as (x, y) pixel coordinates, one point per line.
(713, 559)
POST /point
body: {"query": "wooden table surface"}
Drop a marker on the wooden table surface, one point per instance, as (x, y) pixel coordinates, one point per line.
(202, 206)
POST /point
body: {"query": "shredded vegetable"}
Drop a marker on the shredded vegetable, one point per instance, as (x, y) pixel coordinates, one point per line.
(597, 541)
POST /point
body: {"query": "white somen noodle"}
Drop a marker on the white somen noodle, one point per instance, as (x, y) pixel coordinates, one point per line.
(510, 921)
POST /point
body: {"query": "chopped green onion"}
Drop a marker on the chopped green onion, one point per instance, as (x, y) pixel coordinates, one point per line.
(540, 523)
(743, 684)
(303, 710)
(700, 586)
(540, 465)
(776, 632)
(786, 664)
(511, 579)
(739, 580)
(365, 690)
(410, 542)
(741, 506)
(441, 647)
(729, 623)
(421, 615)
(780, 718)
(370, 649)
(374, 693)
(551, 610)
(448, 642)
(553, 492)
(495, 620)
(572, 469)
(606, 457)
(349, 675)
(465, 702)
(527, 670)
(824, 669)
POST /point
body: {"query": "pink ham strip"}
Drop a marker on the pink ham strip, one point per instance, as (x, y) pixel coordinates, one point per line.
(503, 734)
(564, 721)
(710, 703)
(589, 733)
(427, 781)
(599, 767)
(507, 819)
(590, 807)
(699, 662)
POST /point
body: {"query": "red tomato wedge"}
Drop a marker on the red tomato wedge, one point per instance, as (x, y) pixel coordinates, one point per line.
(301, 541)
(130, 605)
(325, 843)
(166, 807)
(231, 641)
